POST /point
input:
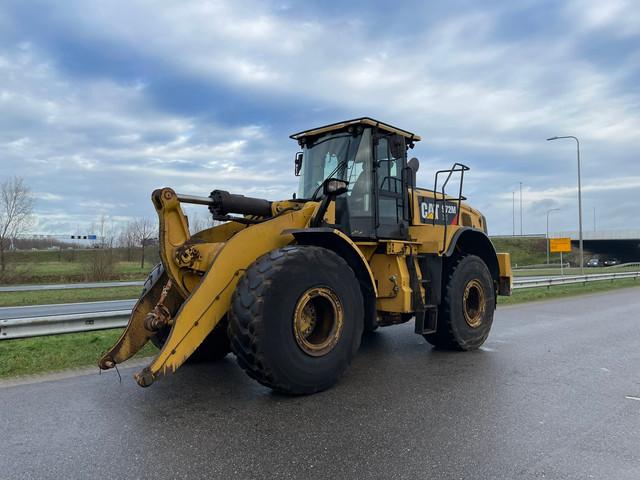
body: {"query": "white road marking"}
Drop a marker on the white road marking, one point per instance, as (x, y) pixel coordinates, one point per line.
(632, 398)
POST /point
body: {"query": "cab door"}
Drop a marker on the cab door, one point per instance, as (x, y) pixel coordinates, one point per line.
(390, 186)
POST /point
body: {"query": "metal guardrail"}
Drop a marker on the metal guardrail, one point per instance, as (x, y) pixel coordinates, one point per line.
(54, 324)
(623, 265)
(572, 279)
(541, 266)
(84, 322)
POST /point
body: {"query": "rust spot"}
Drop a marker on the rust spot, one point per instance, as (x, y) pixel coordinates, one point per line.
(106, 363)
(160, 316)
(144, 378)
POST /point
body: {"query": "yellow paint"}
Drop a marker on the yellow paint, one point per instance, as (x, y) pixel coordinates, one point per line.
(505, 286)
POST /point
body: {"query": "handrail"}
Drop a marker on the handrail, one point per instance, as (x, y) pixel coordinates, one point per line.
(457, 167)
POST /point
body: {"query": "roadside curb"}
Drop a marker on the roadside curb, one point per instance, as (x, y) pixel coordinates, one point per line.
(69, 373)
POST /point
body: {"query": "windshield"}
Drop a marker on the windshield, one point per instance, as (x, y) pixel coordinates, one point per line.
(330, 156)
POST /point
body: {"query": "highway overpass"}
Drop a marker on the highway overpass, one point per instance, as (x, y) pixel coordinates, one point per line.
(621, 244)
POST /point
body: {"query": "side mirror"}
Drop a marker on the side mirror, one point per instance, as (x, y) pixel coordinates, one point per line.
(413, 165)
(334, 187)
(297, 164)
(331, 187)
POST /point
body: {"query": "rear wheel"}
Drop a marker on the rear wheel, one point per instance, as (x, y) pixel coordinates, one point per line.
(466, 314)
(296, 319)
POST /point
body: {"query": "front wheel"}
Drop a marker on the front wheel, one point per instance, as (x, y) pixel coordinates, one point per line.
(466, 314)
(296, 319)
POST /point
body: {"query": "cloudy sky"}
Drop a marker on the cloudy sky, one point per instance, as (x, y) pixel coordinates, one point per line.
(103, 101)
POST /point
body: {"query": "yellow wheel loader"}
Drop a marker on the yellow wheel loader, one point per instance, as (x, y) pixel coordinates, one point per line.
(290, 286)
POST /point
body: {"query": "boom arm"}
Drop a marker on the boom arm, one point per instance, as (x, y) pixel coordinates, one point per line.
(207, 299)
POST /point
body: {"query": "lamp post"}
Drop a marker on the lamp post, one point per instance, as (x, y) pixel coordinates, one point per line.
(548, 212)
(579, 199)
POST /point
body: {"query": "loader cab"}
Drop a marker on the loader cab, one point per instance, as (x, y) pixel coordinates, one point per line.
(371, 157)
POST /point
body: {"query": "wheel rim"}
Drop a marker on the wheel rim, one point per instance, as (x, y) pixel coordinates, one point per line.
(317, 321)
(474, 303)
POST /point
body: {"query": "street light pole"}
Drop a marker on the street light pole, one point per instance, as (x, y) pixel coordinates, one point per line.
(548, 212)
(579, 200)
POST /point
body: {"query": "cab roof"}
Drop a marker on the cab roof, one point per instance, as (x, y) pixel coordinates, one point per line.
(356, 121)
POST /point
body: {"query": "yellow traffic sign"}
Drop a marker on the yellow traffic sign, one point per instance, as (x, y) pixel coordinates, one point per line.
(560, 245)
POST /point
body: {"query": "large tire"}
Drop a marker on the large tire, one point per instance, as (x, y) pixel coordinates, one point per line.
(276, 296)
(466, 314)
(215, 347)
(156, 274)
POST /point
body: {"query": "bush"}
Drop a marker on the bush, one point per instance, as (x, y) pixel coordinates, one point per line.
(100, 265)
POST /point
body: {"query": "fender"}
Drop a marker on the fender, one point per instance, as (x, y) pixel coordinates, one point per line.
(336, 241)
(333, 239)
(475, 242)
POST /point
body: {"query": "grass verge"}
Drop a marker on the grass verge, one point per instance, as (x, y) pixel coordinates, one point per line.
(27, 356)
(544, 293)
(46, 297)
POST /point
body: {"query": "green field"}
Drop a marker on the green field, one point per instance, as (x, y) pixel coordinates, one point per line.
(29, 356)
(63, 272)
(523, 251)
(46, 297)
(67, 266)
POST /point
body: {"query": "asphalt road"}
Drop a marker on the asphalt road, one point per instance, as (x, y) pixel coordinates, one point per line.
(555, 393)
(65, 309)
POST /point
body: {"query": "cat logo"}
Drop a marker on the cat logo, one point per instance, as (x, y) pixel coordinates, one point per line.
(446, 212)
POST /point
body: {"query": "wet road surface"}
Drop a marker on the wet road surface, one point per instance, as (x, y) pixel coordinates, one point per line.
(554, 393)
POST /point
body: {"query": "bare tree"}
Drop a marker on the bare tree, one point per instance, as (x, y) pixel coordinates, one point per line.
(127, 239)
(107, 231)
(144, 231)
(16, 208)
(199, 222)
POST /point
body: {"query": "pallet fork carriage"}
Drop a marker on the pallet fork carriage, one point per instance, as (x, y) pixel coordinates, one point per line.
(290, 286)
